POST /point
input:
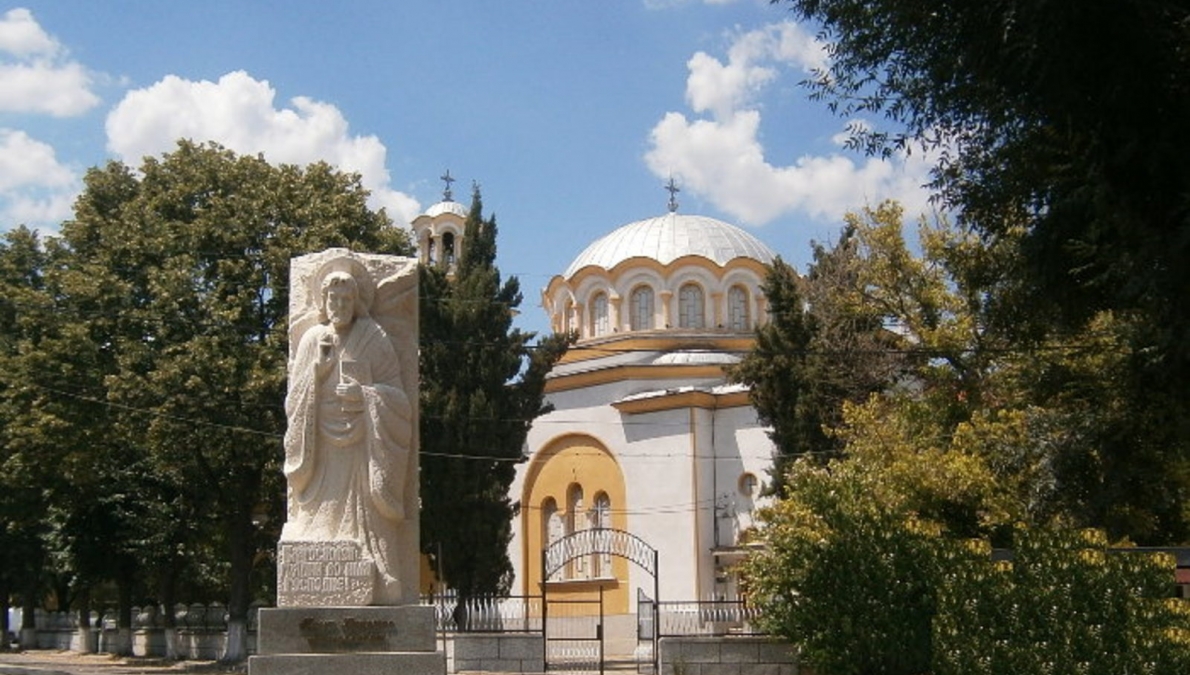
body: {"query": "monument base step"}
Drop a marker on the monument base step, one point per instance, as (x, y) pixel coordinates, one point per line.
(337, 630)
(362, 663)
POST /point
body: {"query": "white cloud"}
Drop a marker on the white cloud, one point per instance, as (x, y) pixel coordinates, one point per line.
(239, 112)
(35, 189)
(721, 158)
(21, 35)
(36, 75)
(721, 89)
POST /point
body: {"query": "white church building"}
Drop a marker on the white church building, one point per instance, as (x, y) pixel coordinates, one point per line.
(647, 435)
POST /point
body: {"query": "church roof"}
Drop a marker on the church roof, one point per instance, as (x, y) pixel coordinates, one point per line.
(669, 237)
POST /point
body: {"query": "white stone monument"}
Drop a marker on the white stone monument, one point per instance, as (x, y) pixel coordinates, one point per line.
(348, 558)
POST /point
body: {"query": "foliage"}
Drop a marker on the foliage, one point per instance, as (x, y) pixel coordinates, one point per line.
(867, 563)
(1061, 416)
(1059, 128)
(1064, 603)
(862, 571)
(822, 347)
(157, 388)
(1066, 114)
(482, 385)
(848, 571)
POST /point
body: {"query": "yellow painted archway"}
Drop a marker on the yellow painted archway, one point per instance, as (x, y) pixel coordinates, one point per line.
(575, 483)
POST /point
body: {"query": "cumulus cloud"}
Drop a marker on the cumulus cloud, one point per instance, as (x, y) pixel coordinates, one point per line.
(239, 112)
(36, 73)
(35, 188)
(718, 154)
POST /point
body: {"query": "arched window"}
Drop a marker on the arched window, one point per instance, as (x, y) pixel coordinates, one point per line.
(568, 316)
(690, 306)
(641, 307)
(551, 522)
(448, 249)
(575, 522)
(737, 309)
(601, 519)
(599, 324)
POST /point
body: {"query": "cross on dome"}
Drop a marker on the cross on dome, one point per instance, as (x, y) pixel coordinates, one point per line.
(673, 189)
(448, 179)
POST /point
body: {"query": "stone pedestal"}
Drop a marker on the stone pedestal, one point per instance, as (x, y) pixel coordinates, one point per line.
(348, 641)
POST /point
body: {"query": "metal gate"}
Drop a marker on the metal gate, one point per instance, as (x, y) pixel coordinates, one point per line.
(573, 631)
(646, 632)
(573, 628)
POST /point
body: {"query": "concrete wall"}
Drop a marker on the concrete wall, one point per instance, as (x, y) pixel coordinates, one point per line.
(498, 652)
(727, 656)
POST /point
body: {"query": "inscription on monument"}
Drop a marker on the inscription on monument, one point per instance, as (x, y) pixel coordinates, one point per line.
(347, 635)
(318, 574)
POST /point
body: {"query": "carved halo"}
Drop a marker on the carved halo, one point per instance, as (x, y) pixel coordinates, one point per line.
(365, 286)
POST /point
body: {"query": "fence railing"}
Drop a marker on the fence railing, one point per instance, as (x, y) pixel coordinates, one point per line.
(706, 617)
(486, 614)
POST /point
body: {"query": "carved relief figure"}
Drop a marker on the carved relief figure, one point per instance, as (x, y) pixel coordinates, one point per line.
(351, 426)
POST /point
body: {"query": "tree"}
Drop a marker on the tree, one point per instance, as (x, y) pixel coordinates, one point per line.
(179, 274)
(1064, 120)
(1060, 414)
(848, 569)
(823, 346)
(24, 304)
(482, 386)
(858, 574)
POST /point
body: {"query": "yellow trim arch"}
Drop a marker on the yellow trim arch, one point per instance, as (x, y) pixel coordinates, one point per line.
(565, 462)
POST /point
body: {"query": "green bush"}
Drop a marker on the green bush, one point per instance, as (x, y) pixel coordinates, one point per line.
(1064, 604)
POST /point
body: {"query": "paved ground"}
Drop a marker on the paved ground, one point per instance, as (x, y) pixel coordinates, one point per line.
(46, 662)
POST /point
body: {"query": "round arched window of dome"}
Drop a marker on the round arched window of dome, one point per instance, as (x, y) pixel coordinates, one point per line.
(690, 306)
(749, 485)
(640, 304)
(738, 316)
(599, 320)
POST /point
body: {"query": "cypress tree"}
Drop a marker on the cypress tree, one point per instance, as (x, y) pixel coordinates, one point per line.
(482, 385)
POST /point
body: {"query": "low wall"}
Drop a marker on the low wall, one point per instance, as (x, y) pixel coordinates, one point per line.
(727, 656)
(498, 652)
(202, 645)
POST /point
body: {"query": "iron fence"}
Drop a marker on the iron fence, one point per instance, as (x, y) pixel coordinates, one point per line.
(486, 614)
(706, 617)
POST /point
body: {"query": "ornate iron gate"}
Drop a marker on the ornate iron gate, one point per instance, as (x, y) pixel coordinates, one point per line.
(573, 640)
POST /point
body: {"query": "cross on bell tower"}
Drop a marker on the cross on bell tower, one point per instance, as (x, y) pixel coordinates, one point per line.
(447, 195)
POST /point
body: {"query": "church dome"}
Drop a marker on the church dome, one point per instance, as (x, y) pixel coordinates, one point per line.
(447, 206)
(669, 237)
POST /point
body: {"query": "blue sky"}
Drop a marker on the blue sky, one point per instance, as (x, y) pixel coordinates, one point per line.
(571, 115)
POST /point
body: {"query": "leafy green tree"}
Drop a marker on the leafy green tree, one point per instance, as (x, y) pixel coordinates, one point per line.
(779, 373)
(482, 386)
(1064, 121)
(1060, 414)
(1046, 113)
(823, 346)
(23, 441)
(180, 271)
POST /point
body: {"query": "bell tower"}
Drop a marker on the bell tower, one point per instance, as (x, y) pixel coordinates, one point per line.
(439, 230)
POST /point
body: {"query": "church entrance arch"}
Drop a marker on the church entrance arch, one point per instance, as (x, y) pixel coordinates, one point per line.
(573, 632)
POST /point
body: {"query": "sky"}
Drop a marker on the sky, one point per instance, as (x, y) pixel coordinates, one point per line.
(571, 116)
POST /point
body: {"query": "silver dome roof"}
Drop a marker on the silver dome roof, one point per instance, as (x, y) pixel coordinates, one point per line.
(669, 237)
(447, 207)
